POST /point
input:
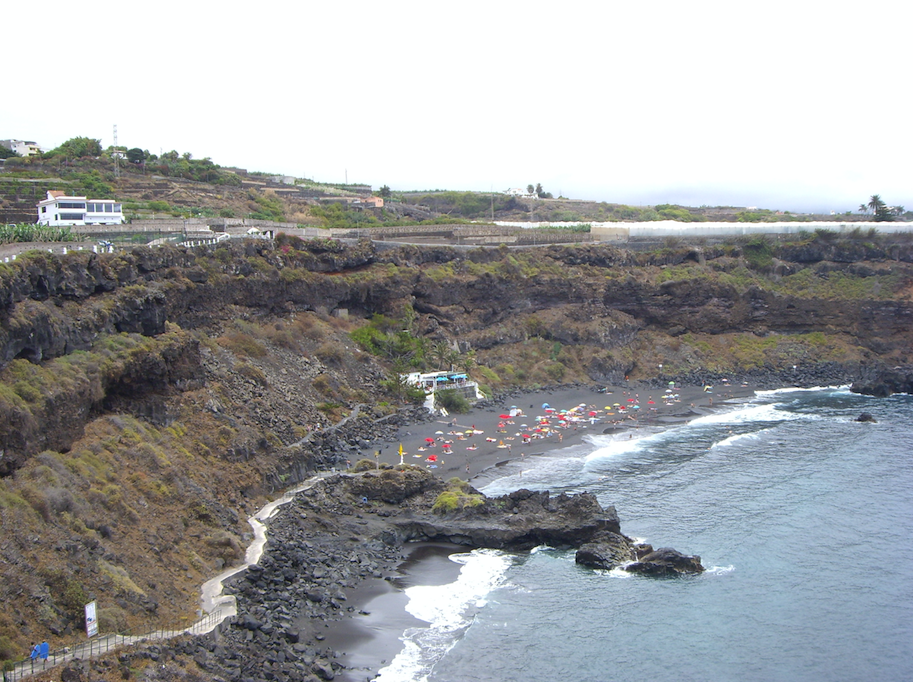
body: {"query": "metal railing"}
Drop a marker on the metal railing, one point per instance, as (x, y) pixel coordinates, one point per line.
(102, 644)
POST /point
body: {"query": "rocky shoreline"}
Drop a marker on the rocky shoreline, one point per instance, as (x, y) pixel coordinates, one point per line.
(349, 529)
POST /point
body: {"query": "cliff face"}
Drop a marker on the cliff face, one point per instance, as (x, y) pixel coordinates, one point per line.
(150, 399)
(601, 299)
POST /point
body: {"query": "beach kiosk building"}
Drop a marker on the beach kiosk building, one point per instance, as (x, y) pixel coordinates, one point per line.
(435, 381)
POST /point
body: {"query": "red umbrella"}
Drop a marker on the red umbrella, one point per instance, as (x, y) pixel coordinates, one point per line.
(592, 414)
(429, 440)
(504, 416)
(431, 458)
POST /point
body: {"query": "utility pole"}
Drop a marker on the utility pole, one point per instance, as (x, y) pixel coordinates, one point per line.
(116, 164)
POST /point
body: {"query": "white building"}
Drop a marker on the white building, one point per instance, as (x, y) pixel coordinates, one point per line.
(432, 381)
(22, 147)
(60, 209)
(519, 192)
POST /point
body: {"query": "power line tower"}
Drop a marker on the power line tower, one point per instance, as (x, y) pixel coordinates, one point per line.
(116, 155)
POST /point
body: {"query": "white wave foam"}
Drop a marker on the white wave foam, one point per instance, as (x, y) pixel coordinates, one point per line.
(843, 388)
(719, 570)
(608, 446)
(731, 440)
(448, 610)
(768, 412)
(619, 572)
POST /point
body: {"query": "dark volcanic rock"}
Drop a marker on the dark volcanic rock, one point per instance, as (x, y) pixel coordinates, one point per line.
(606, 551)
(883, 382)
(666, 562)
(521, 520)
(865, 417)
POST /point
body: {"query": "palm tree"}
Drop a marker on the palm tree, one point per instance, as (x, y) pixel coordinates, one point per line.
(863, 208)
(875, 203)
(441, 353)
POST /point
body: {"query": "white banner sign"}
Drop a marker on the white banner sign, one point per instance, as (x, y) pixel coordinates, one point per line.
(91, 620)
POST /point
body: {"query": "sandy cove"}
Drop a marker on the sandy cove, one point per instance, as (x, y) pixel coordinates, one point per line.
(482, 439)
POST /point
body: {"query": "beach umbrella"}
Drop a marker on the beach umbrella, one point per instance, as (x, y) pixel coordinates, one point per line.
(650, 402)
(617, 404)
(431, 458)
(636, 407)
(591, 413)
(429, 440)
(503, 416)
(438, 433)
(545, 406)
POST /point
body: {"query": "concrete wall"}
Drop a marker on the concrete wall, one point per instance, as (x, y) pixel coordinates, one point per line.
(669, 228)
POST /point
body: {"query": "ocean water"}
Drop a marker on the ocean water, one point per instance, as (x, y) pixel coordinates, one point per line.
(803, 517)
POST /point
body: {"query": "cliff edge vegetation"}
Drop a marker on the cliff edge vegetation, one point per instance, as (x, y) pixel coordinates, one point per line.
(151, 399)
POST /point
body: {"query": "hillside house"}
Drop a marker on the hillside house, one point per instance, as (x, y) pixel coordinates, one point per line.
(60, 209)
(22, 147)
(519, 192)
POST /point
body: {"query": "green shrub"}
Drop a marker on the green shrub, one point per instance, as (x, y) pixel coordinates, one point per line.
(456, 497)
(452, 400)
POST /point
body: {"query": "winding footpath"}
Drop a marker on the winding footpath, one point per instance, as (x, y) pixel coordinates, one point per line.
(216, 606)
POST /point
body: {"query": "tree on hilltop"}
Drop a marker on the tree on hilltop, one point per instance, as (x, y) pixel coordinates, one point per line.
(76, 148)
(136, 155)
(881, 211)
(541, 193)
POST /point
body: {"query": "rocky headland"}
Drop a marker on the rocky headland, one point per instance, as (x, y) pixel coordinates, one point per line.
(349, 528)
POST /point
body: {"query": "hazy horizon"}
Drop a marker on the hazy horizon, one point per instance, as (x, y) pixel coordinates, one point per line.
(788, 106)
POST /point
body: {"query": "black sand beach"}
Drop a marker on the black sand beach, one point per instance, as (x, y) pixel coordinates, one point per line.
(371, 640)
(481, 439)
(367, 643)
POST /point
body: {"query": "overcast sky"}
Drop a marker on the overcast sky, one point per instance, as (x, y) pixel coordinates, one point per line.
(791, 105)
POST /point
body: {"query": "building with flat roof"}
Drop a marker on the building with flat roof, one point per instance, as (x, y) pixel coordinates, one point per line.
(22, 147)
(60, 209)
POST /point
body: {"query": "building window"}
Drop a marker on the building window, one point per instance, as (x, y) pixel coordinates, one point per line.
(71, 204)
(72, 216)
